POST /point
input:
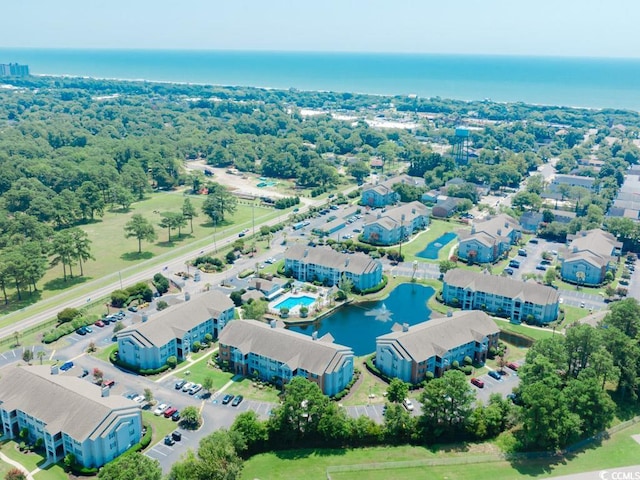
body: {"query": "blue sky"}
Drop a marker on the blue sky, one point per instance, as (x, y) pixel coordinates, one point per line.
(595, 28)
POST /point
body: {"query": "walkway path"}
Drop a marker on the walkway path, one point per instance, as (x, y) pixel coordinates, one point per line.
(188, 364)
(19, 466)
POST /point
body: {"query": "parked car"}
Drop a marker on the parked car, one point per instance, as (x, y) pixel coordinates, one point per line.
(495, 374)
(177, 436)
(99, 323)
(408, 404)
(88, 329)
(169, 441)
(540, 266)
(169, 412)
(237, 400)
(522, 252)
(180, 384)
(81, 331)
(139, 399)
(513, 366)
(508, 271)
(133, 308)
(66, 366)
(477, 382)
(533, 240)
(108, 383)
(160, 409)
(84, 373)
(195, 389)
(227, 398)
(176, 416)
(514, 264)
(187, 386)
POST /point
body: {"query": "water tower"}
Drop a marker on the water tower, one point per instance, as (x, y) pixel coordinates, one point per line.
(461, 146)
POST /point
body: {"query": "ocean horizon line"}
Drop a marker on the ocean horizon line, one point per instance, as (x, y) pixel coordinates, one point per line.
(497, 55)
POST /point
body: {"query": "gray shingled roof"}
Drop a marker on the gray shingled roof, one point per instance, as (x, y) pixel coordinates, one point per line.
(175, 321)
(291, 348)
(64, 403)
(503, 286)
(439, 335)
(356, 263)
(595, 246)
(498, 226)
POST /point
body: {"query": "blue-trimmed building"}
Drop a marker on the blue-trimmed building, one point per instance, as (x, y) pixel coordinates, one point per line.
(409, 352)
(274, 354)
(325, 265)
(172, 332)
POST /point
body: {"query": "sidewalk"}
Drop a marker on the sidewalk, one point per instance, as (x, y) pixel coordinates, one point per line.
(19, 466)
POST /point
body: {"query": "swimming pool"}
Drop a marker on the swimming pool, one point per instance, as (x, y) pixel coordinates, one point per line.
(432, 250)
(292, 302)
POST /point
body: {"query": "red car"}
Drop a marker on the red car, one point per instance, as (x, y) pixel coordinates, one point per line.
(99, 323)
(170, 411)
(513, 366)
(477, 382)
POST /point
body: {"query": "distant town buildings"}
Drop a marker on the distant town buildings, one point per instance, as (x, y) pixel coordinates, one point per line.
(275, 354)
(502, 296)
(589, 256)
(172, 332)
(571, 181)
(627, 202)
(68, 414)
(409, 352)
(324, 264)
(13, 70)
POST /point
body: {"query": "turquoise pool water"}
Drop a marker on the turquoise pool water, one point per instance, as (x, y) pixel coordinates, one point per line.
(295, 301)
(432, 250)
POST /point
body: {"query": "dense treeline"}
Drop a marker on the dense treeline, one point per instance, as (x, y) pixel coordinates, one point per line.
(72, 149)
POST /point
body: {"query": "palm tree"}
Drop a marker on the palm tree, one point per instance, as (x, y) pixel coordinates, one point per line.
(41, 354)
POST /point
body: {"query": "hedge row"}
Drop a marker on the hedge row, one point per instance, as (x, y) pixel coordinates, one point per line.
(377, 288)
(67, 328)
(144, 442)
(113, 358)
(343, 393)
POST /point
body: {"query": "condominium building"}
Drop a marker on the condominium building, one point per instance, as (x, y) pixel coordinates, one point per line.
(396, 224)
(68, 414)
(272, 353)
(589, 256)
(489, 239)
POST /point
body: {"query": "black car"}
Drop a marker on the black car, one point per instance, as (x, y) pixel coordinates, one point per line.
(227, 398)
(237, 400)
(177, 436)
(84, 373)
(494, 374)
(180, 384)
(176, 416)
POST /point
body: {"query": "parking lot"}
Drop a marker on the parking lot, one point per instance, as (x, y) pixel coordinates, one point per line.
(504, 386)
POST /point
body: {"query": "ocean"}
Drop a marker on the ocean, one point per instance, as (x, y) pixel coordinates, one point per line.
(576, 82)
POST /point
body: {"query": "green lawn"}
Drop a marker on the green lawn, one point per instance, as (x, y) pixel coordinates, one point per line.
(199, 371)
(29, 460)
(619, 450)
(368, 384)
(246, 388)
(103, 353)
(116, 255)
(420, 241)
(573, 314)
(160, 426)
(535, 333)
(53, 472)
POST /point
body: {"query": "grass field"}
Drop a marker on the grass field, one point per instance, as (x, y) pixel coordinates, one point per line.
(116, 255)
(199, 371)
(533, 332)
(246, 388)
(619, 450)
(160, 426)
(418, 243)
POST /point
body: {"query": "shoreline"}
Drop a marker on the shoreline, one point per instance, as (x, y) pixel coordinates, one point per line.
(302, 90)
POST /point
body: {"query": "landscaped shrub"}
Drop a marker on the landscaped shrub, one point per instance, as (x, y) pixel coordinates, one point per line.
(377, 288)
(67, 328)
(467, 360)
(161, 305)
(172, 361)
(68, 314)
(246, 273)
(467, 369)
(196, 346)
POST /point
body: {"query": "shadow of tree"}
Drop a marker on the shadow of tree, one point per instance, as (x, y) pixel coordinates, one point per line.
(308, 452)
(61, 284)
(14, 304)
(133, 256)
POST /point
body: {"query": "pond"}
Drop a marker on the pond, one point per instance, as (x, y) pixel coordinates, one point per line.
(432, 249)
(357, 326)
